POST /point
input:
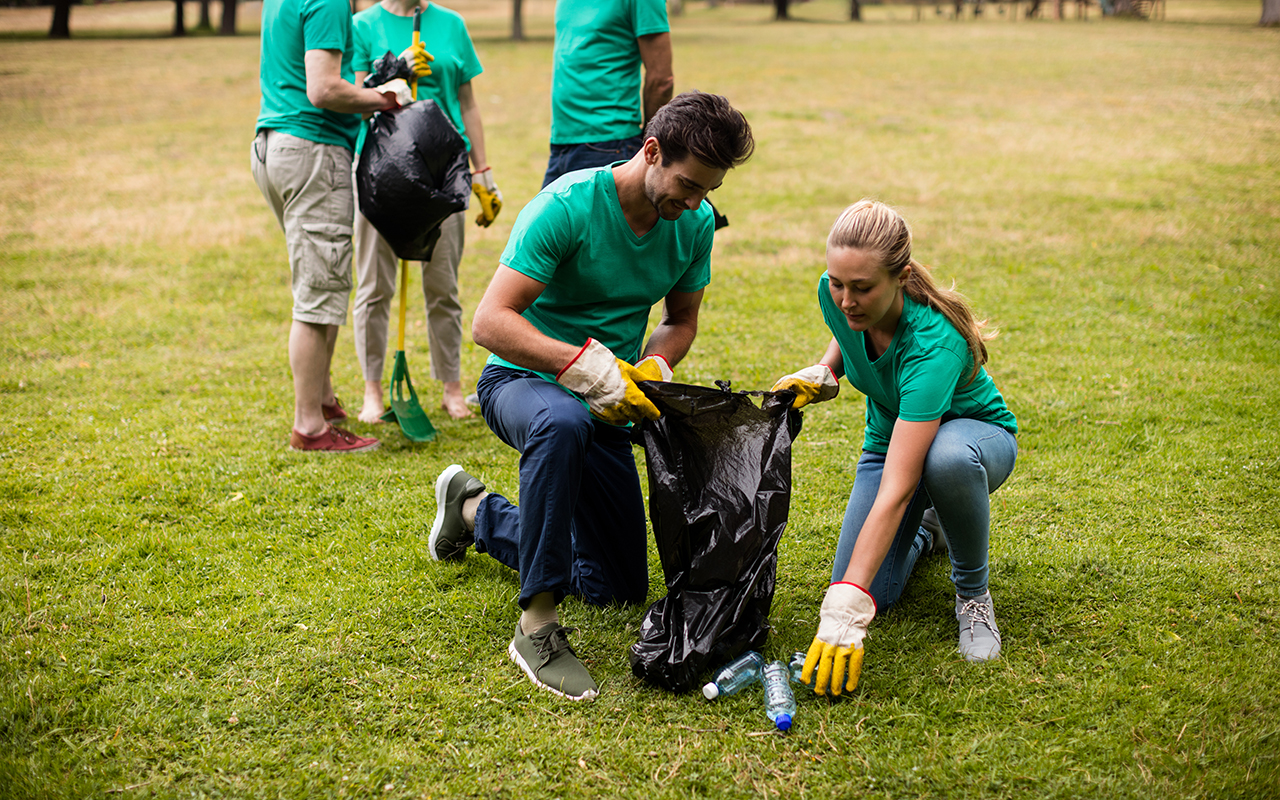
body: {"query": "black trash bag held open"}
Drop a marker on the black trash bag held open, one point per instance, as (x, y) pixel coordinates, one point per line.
(719, 493)
(412, 176)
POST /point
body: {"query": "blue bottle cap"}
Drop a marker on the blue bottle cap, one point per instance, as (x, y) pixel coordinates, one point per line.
(783, 722)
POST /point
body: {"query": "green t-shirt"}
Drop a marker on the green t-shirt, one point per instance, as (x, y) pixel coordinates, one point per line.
(919, 378)
(602, 279)
(595, 81)
(444, 34)
(289, 29)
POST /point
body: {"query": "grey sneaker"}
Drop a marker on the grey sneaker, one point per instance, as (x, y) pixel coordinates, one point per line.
(450, 536)
(549, 661)
(929, 522)
(979, 637)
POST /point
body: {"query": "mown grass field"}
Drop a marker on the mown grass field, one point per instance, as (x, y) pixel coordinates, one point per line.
(189, 609)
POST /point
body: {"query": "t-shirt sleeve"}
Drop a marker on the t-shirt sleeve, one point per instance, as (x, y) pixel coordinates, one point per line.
(650, 16)
(698, 275)
(540, 238)
(325, 24)
(470, 65)
(927, 384)
(362, 39)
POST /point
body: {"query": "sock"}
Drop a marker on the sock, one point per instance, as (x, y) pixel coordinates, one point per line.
(469, 508)
(541, 611)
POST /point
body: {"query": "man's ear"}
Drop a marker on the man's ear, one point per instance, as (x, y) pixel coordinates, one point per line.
(652, 151)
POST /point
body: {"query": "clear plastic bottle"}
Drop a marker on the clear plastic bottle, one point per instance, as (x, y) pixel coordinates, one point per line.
(742, 671)
(779, 702)
(797, 668)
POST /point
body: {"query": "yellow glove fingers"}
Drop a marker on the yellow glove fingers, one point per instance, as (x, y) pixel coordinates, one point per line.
(648, 371)
(490, 205)
(823, 679)
(855, 669)
(840, 665)
(811, 660)
(805, 392)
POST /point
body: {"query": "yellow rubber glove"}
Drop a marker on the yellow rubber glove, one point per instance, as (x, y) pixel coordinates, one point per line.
(490, 197)
(608, 384)
(836, 652)
(811, 385)
(655, 368)
(418, 59)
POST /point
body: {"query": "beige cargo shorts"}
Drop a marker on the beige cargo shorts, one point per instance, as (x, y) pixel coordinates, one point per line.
(308, 186)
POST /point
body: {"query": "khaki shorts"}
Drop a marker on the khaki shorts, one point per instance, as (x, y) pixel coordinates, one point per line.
(308, 186)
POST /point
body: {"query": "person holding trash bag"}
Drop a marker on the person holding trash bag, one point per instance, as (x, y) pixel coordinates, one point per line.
(599, 105)
(385, 27)
(565, 317)
(301, 159)
(938, 433)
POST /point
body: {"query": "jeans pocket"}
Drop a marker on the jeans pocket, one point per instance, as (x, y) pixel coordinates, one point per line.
(324, 256)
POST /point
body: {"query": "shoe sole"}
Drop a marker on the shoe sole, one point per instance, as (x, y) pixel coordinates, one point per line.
(333, 452)
(442, 486)
(520, 662)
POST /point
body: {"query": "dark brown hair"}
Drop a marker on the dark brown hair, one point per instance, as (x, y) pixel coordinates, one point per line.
(702, 125)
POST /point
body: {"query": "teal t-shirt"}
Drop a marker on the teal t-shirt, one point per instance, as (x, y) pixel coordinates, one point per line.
(443, 33)
(289, 29)
(919, 378)
(602, 279)
(595, 79)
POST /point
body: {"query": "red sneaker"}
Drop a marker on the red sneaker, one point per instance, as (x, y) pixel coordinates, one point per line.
(333, 440)
(333, 412)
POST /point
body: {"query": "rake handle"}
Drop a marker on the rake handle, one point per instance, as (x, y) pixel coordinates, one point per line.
(404, 292)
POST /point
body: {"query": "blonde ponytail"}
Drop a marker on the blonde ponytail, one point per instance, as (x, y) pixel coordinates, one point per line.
(872, 226)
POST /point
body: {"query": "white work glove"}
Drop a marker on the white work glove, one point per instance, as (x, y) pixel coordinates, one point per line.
(397, 87)
(655, 368)
(417, 60)
(811, 385)
(489, 195)
(608, 384)
(836, 651)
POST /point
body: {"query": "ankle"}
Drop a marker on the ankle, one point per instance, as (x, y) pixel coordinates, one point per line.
(540, 613)
(469, 508)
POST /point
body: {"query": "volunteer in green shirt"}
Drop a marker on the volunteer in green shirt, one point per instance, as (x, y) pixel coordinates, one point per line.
(388, 26)
(565, 317)
(938, 439)
(301, 159)
(598, 104)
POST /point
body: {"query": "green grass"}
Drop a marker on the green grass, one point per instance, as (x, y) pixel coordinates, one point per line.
(187, 608)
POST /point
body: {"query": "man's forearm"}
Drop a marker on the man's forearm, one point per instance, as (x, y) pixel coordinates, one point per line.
(672, 340)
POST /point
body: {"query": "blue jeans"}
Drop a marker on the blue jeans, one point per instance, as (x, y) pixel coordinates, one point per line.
(569, 157)
(580, 526)
(966, 463)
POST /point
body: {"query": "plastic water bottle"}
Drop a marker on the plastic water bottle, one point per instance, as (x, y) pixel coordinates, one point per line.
(742, 671)
(779, 702)
(797, 668)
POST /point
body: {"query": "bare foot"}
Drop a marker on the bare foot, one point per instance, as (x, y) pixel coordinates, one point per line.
(453, 402)
(373, 408)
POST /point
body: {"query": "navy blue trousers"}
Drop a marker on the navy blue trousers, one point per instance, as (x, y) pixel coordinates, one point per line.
(571, 157)
(580, 526)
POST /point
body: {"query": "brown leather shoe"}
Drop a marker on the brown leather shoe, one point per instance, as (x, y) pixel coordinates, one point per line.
(333, 440)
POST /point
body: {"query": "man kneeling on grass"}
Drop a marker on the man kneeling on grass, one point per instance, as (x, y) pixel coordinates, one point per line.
(565, 318)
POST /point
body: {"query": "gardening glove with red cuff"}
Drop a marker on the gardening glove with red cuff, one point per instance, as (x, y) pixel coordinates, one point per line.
(398, 89)
(608, 384)
(655, 368)
(811, 385)
(836, 651)
(417, 59)
(490, 197)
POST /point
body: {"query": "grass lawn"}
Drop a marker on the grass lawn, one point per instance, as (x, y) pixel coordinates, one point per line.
(188, 608)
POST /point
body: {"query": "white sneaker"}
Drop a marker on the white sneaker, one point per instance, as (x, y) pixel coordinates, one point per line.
(979, 637)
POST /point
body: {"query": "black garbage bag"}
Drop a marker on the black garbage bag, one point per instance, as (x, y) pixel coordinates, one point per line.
(387, 69)
(412, 176)
(719, 493)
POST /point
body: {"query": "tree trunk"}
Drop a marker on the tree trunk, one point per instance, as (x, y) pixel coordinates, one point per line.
(517, 20)
(780, 9)
(855, 10)
(206, 24)
(179, 18)
(228, 27)
(60, 28)
(1270, 13)
(1124, 8)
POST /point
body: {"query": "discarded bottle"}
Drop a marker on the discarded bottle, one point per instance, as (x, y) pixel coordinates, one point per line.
(797, 668)
(779, 702)
(742, 671)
